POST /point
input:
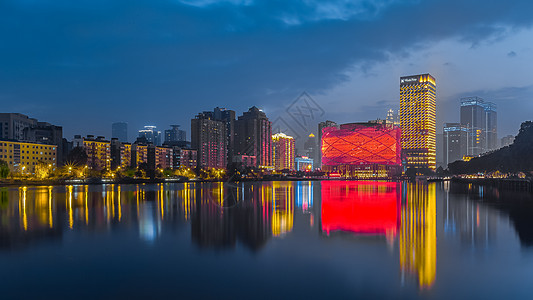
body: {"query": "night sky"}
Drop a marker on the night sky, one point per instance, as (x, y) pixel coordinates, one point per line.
(85, 64)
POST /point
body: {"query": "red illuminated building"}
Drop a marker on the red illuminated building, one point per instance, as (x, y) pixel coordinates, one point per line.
(362, 150)
(361, 207)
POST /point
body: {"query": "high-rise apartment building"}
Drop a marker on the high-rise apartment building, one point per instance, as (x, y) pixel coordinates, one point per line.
(174, 135)
(283, 151)
(209, 137)
(321, 126)
(253, 136)
(119, 131)
(228, 117)
(481, 120)
(151, 134)
(418, 120)
(455, 138)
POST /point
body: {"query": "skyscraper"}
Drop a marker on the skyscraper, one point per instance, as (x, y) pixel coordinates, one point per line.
(321, 126)
(455, 138)
(253, 132)
(119, 131)
(481, 120)
(228, 117)
(283, 151)
(418, 120)
(175, 134)
(151, 134)
(209, 138)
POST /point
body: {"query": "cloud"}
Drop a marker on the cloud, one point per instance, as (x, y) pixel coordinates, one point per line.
(511, 54)
(167, 60)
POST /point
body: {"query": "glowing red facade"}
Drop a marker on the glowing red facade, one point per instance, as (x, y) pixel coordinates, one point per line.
(361, 144)
(361, 207)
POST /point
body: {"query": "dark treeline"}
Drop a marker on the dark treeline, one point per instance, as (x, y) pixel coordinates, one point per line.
(515, 158)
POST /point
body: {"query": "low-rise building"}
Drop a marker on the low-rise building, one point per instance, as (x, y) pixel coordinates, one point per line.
(24, 156)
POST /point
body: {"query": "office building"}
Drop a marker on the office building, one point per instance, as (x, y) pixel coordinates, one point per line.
(209, 137)
(175, 135)
(362, 150)
(321, 126)
(311, 147)
(119, 131)
(151, 134)
(481, 120)
(283, 151)
(253, 137)
(418, 121)
(24, 156)
(455, 138)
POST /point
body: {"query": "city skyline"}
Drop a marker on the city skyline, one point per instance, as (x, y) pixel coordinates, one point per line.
(236, 59)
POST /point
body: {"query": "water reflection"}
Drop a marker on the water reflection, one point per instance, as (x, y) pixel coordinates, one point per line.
(225, 216)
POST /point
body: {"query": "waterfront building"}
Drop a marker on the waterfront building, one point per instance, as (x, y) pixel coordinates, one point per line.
(507, 140)
(19, 127)
(98, 151)
(119, 131)
(184, 157)
(418, 121)
(362, 150)
(139, 154)
(480, 118)
(174, 135)
(253, 136)
(151, 134)
(24, 156)
(455, 138)
(303, 163)
(120, 154)
(209, 138)
(228, 117)
(283, 151)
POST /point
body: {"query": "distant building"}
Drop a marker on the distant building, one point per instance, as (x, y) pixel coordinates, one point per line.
(175, 134)
(98, 151)
(303, 163)
(151, 134)
(253, 133)
(418, 120)
(24, 156)
(119, 131)
(362, 150)
(19, 127)
(455, 137)
(393, 117)
(311, 149)
(283, 151)
(209, 137)
(507, 140)
(481, 120)
(321, 126)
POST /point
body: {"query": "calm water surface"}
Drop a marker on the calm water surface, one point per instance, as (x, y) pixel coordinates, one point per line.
(331, 239)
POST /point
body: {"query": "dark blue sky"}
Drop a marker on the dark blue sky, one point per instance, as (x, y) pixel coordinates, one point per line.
(85, 64)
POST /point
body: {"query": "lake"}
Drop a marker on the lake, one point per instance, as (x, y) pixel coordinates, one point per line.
(264, 240)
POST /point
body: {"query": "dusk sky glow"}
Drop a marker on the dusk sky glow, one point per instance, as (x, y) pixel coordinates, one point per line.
(85, 64)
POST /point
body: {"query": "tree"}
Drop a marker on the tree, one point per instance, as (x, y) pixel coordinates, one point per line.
(4, 169)
(77, 156)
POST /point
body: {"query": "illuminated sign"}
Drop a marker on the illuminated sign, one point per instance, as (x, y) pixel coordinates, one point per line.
(412, 79)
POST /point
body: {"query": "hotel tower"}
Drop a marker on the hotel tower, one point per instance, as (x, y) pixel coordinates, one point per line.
(418, 120)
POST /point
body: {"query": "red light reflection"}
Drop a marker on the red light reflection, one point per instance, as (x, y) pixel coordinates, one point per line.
(361, 207)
